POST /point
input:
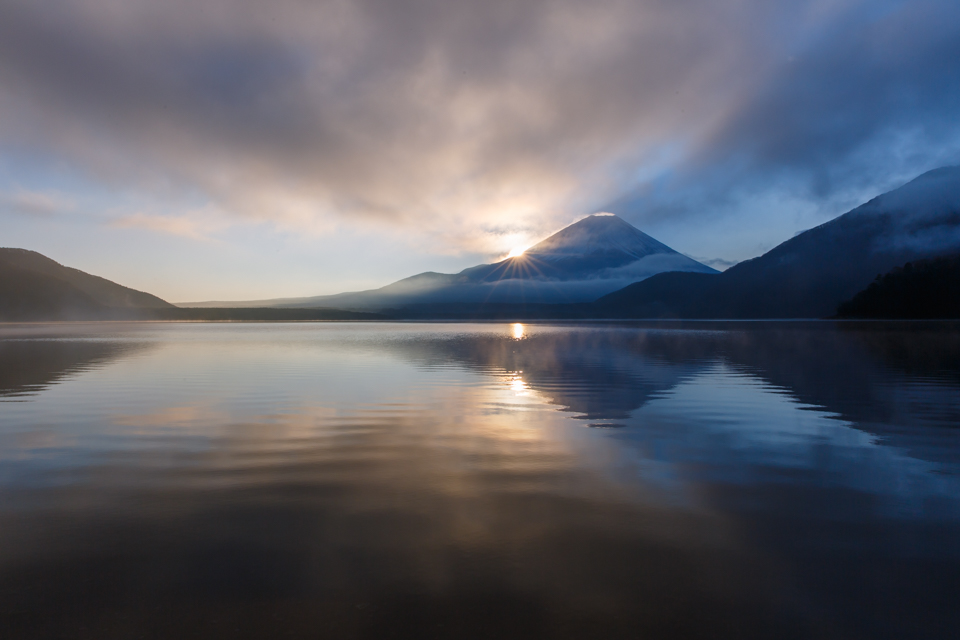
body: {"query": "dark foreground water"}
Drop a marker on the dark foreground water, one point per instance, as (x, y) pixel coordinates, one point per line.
(480, 481)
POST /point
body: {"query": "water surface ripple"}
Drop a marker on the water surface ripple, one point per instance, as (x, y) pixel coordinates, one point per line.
(721, 480)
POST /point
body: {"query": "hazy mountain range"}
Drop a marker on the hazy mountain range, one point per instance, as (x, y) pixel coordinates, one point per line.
(809, 275)
(592, 257)
(598, 267)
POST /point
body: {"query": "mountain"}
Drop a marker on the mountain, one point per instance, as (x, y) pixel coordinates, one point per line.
(594, 256)
(33, 287)
(925, 289)
(598, 247)
(813, 272)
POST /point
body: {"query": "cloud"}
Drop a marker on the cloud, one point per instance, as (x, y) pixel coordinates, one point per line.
(452, 118)
(717, 263)
(200, 225)
(862, 104)
(34, 203)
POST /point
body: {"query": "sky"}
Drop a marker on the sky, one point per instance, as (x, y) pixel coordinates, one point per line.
(232, 149)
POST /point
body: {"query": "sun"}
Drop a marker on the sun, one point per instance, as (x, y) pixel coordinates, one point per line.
(516, 251)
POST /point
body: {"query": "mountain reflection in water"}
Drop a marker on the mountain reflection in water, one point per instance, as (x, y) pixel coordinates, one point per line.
(373, 480)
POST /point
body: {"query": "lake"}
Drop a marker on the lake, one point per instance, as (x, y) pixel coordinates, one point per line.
(668, 480)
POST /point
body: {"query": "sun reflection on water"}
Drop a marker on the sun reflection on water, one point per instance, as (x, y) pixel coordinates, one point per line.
(518, 331)
(518, 386)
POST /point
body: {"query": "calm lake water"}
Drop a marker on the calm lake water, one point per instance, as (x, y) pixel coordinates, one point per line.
(721, 480)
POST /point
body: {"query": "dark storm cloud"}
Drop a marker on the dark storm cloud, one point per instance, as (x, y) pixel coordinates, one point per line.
(472, 115)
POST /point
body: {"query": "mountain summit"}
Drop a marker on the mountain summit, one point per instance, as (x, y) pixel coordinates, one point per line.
(598, 247)
(602, 236)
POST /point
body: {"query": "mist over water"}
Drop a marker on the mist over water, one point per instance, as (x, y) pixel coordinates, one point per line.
(719, 480)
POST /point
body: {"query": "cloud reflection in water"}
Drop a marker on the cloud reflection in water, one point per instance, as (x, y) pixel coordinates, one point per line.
(278, 477)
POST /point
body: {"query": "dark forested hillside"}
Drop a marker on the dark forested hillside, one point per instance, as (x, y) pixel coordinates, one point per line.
(925, 289)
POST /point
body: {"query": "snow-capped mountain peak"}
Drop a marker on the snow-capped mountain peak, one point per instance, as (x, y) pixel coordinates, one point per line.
(600, 233)
(598, 247)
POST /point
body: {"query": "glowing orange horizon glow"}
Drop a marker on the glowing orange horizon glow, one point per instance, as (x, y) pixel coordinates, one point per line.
(516, 251)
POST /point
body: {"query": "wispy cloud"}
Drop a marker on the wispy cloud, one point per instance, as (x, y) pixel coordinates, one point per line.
(198, 225)
(34, 203)
(717, 263)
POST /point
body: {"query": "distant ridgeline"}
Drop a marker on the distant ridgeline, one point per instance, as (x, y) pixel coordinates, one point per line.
(598, 267)
(809, 275)
(36, 288)
(591, 257)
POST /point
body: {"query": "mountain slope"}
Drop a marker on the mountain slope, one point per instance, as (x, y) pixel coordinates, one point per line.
(810, 274)
(28, 295)
(595, 247)
(34, 287)
(103, 291)
(592, 257)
